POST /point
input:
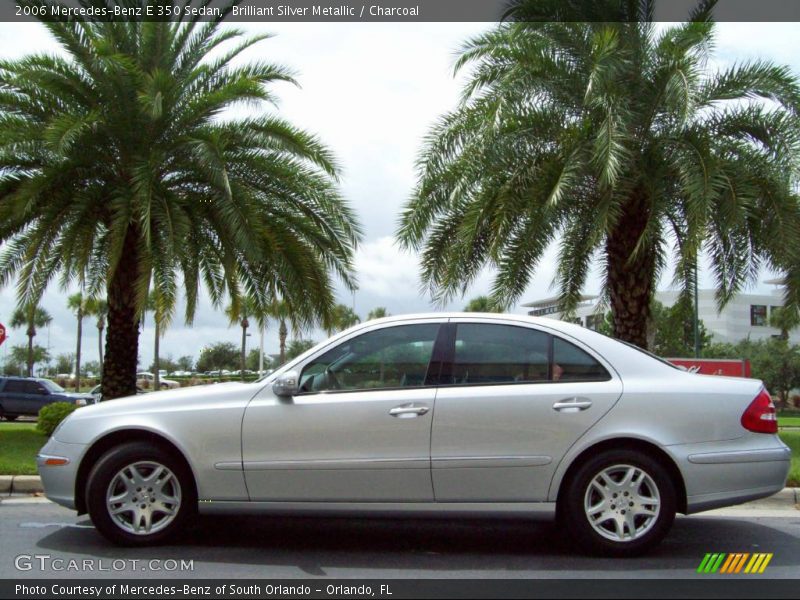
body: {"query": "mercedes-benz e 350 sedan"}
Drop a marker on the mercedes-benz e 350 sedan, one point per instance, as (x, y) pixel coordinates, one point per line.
(445, 414)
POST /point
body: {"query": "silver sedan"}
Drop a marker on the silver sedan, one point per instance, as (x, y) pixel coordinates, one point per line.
(443, 414)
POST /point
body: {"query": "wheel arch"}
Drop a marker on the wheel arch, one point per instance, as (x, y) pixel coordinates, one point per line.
(115, 438)
(628, 443)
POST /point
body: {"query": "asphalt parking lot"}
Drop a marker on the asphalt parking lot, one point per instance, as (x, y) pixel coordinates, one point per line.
(268, 547)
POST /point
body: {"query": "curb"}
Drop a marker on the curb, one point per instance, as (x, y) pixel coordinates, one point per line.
(32, 484)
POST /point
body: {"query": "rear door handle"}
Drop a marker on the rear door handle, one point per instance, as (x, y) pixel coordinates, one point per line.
(572, 405)
(408, 411)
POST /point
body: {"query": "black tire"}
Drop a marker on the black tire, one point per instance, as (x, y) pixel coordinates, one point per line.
(651, 530)
(10, 417)
(105, 472)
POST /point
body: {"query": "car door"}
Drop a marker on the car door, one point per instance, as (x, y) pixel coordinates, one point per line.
(14, 397)
(360, 428)
(513, 399)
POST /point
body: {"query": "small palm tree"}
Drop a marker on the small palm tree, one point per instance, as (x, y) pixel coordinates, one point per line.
(279, 310)
(97, 307)
(482, 304)
(343, 317)
(31, 317)
(377, 313)
(123, 167)
(162, 316)
(617, 141)
(78, 304)
(247, 307)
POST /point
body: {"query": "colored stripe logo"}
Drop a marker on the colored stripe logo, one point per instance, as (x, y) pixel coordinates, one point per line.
(734, 563)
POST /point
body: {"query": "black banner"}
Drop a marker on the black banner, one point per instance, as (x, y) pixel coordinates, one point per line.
(711, 587)
(377, 11)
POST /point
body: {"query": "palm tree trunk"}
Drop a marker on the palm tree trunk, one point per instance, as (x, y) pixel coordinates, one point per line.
(31, 334)
(244, 350)
(100, 327)
(78, 349)
(156, 361)
(122, 339)
(630, 281)
(282, 334)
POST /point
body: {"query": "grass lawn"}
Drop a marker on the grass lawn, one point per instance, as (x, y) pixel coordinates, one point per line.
(788, 421)
(792, 439)
(19, 443)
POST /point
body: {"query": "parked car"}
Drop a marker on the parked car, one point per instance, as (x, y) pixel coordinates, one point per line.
(457, 415)
(148, 380)
(97, 393)
(25, 396)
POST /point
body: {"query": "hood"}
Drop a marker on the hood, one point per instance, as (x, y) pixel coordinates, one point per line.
(182, 398)
(84, 395)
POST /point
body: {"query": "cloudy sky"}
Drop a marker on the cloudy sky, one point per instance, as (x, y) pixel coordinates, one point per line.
(370, 91)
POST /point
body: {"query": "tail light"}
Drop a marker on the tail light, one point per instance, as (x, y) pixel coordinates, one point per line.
(760, 416)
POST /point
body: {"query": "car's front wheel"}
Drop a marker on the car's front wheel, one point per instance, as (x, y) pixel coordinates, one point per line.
(140, 494)
(619, 503)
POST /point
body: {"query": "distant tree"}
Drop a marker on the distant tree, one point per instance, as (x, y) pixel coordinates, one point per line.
(186, 363)
(65, 363)
(31, 317)
(219, 356)
(672, 329)
(94, 367)
(18, 357)
(253, 360)
(97, 307)
(77, 303)
(167, 364)
(377, 313)
(482, 304)
(297, 347)
(786, 319)
(343, 317)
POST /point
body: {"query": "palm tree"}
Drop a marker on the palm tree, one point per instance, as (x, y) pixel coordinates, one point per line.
(280, 310)
(239, 313)
(161, 320)
(97, 307)
(343, 318)
(377, 313)
(77, 303)
(122, 168)
(31, 317)
(482, 304)
(618, 141)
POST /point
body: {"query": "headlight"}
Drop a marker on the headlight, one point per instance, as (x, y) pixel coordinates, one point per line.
(80, 402)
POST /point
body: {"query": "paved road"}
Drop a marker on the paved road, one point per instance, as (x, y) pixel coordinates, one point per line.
(234, 547)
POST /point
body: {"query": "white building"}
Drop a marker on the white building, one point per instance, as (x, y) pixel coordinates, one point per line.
(746, 315)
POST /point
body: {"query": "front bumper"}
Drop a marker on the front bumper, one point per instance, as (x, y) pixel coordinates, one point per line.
(59, 480)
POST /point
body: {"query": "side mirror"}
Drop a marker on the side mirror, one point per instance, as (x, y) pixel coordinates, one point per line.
(287, 384)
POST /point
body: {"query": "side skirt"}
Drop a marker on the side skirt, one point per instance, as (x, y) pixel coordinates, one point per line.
(511, 510)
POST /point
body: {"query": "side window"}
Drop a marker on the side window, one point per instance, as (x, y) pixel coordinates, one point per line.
(33, 387)
(15, 386)
(487, 353)
(570, 363)
(393, 357)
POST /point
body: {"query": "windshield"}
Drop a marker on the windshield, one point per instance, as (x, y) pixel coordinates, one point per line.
(51, 385)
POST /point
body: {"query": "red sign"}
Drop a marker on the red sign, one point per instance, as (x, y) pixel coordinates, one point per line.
(2, 334)
(733, 367)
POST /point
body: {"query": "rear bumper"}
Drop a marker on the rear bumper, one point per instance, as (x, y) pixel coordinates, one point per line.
(727, 473)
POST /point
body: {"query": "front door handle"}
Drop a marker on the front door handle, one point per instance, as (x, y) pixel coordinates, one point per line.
(572, 405)
(408, 411)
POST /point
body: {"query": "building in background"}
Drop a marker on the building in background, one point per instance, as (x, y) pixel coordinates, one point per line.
(746, 315)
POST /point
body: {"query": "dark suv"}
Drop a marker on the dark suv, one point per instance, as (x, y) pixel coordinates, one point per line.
(27, 395)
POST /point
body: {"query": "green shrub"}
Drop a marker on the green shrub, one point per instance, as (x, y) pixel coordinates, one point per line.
(52, 414)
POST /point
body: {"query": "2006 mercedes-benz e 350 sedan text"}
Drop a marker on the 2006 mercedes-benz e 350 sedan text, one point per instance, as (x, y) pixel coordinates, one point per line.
(445, 414)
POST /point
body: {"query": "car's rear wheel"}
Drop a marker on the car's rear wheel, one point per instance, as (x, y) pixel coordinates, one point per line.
(619, 503)
(10, 417)
(139, 494)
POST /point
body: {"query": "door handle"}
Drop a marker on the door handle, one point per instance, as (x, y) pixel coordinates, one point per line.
(407, 411)
(572, 405)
